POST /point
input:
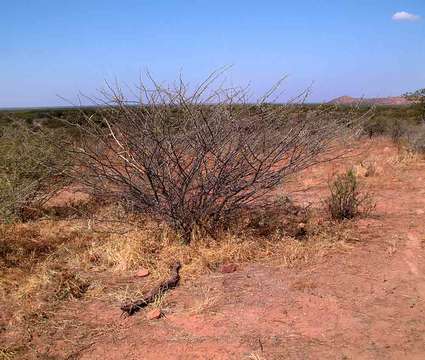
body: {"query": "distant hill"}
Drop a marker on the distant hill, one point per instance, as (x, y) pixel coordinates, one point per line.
(391, 100)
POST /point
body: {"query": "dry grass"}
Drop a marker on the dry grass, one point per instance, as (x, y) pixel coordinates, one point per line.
(47, 264)
(255, 356)
(393, 245)
(7, 354)
(405, 157)
(205, 301)
(156, 247)
(50, 251)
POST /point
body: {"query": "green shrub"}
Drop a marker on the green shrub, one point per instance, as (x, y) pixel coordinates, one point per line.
(30, 169)
(346, 200)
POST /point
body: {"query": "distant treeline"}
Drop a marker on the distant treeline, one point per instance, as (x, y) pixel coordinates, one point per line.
(53, 117)
(48, 116)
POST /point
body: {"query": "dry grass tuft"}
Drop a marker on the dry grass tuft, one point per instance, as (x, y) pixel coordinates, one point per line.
(7, 354)
(205, 301)
(405, 157)
(255, 356)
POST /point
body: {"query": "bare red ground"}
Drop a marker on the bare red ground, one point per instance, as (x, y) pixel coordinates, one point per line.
(364, 303)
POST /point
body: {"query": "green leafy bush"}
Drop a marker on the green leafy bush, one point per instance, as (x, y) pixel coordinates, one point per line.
(30, 169)
(346, 200)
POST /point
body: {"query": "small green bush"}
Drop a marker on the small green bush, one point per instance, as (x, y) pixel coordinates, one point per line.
(30, 169)
(346, 200)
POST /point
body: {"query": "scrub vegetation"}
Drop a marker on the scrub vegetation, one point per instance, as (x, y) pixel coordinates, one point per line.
(203, 176)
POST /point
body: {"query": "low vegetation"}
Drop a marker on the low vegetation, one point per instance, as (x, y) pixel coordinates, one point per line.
(415, 139)
(347, 200)
(178, 167)
(54, 265)
(31, 170)
(404, 124)
(418, 98)
(195, 158)
(47, 265)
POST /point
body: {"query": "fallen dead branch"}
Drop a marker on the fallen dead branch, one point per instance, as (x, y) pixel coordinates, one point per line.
(170, 283)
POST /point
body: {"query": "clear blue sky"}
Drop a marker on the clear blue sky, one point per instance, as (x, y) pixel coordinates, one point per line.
(347, 47)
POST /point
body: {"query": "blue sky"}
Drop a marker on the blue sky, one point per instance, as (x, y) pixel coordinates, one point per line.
(346, 47)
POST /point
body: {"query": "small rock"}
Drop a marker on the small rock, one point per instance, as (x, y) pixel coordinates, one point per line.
(154, 314)
(142, 273)
(228, 268)
(420, 212)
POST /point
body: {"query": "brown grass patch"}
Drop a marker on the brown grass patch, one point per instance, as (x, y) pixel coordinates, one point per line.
(405, 157)
(44, 249)
(46, 264)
